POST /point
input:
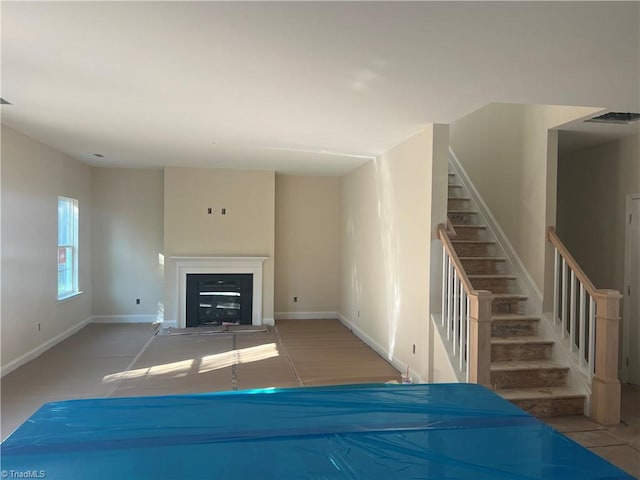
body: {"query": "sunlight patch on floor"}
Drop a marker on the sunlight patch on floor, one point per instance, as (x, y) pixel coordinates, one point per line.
(202, 365)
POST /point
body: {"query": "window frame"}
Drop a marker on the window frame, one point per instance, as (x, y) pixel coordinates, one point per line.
(68, 251)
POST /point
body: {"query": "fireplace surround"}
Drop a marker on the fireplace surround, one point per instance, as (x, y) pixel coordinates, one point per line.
(186, 265)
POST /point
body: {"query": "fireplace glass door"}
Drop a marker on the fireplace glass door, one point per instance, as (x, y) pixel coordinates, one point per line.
(219, 299)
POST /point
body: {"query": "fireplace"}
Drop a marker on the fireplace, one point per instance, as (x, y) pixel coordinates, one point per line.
(181, 267)
(219, 299)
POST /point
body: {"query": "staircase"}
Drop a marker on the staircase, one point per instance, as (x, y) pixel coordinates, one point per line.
(521, 367)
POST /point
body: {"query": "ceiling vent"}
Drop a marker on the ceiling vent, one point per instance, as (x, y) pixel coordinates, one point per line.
(4, 102)
(617, 117)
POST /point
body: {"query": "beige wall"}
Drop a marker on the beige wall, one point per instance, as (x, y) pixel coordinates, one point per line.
(307, 246)
(127, 239)
(247, 229)
(510, 156)
(386, 237)
(592, 188)
(33, 176)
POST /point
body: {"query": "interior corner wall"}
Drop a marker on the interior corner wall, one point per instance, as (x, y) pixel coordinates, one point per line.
(246, 229)
(385, 251)
(307, 246)
(127, 241)
(592, 188)
(33, 176)
(509, 155)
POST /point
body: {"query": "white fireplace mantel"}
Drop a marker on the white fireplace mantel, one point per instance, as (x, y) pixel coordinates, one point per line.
(218, 265)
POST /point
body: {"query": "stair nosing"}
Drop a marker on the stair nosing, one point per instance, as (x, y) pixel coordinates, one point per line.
(518, 365)
(485, 258)
(497, 276)
(514, 317)
(474, 242)
(514, 296)
(515, 394)
(528, 340)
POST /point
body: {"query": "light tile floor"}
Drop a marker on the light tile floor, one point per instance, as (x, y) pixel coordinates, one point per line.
(620, 444)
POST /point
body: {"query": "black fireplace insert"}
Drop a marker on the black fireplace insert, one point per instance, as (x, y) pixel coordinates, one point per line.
(219, 299)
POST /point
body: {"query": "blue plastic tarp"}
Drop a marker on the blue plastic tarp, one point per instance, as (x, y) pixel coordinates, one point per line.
(443, 431)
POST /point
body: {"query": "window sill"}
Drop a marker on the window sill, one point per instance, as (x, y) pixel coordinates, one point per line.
(69, 296)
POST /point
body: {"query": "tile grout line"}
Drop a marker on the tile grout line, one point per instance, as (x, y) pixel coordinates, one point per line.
(111, 391)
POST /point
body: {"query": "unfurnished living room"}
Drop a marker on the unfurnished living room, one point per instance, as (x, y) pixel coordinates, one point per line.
(320, 240)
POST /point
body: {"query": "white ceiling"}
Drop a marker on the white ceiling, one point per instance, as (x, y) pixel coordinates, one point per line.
(296, 87)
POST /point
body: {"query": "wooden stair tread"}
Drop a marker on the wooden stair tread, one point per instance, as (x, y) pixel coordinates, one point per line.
(514, 317)
(496, 276)
(490, 259)
(509, 366)
(524, 340)
(462, 211)
(538, 393)
(474, 242)
(462, 225)
(459, 198)
(509, 296)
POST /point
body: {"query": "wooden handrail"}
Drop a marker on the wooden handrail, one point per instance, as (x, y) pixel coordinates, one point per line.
(556, 242)
(444, 238)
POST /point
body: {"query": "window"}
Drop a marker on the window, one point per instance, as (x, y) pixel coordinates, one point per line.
(67, 247)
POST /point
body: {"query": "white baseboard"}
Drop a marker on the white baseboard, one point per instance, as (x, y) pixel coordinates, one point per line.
(305, 315)
(268, 321)
(124, 319)
(39, 350)
(383, 352)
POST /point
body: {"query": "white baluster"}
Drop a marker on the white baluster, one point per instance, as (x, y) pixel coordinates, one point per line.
(463, 328)
(456, 314)
(592, 335)
(582, 348)
(556, 285)
(445, 268)
(449, 298)
(564, 298)
(466, 356)
(572, 313)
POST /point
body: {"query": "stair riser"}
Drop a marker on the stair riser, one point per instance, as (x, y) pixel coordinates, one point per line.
(514, 328)
(508, 306)
(458, 203)
(484, 267)
(533, 378)
(495, 285)
(453, 180)
(474, 249)
(456, 190)
(552, 407)
(463, 233)
(463, 218)
(524, 352)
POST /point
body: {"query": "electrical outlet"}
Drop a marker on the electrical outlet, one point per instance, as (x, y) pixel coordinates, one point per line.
(137, 301)
(209, 210)
(295, 299)
(223, 211)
